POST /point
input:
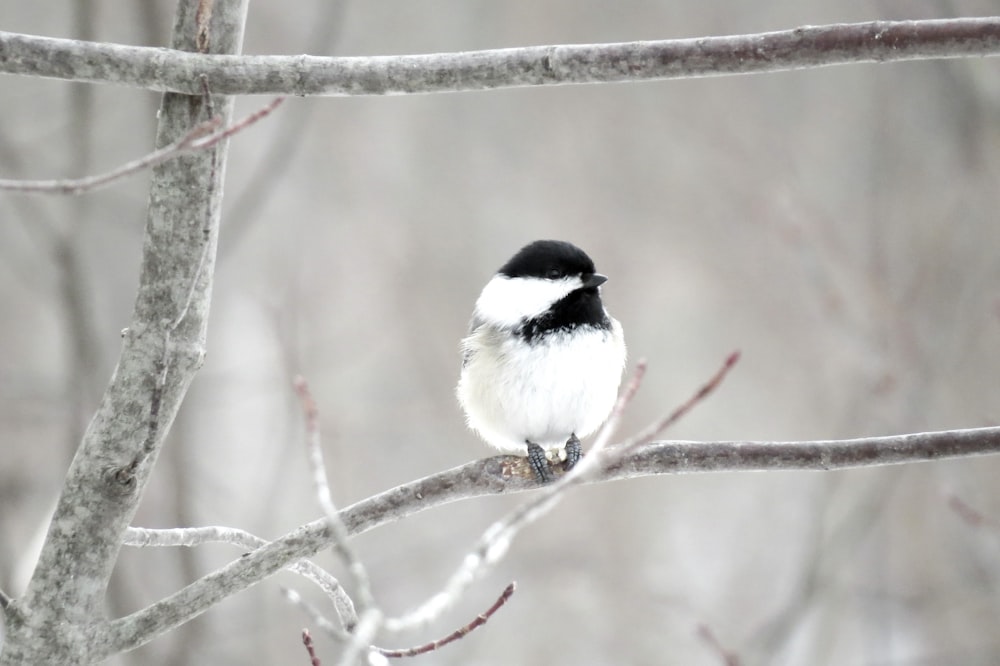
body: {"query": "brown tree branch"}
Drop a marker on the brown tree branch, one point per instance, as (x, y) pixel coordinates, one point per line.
(461, 632)
(805, 47)
(308, 642)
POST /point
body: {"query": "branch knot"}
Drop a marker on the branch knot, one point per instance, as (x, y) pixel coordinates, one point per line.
(121, 481)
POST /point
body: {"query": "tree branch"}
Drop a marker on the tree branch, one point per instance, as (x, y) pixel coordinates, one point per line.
(511, 474)
(461, 632)
(308, 642)
(811, 46)
(161, 352)
(357, 571)
(197, 536)
(200, 137)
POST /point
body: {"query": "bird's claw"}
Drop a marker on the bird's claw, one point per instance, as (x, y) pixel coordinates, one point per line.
(539, 463)
(573, 453)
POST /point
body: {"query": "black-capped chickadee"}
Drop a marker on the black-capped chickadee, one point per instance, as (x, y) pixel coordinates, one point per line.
(543, 359)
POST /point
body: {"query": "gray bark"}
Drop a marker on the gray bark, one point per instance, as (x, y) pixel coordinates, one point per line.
(811, 46)
(511, 474)
(60, 619)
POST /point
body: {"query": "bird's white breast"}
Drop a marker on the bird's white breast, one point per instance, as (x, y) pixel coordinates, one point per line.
(559, 385)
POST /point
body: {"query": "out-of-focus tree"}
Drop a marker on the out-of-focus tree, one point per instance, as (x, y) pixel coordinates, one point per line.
(882, 264)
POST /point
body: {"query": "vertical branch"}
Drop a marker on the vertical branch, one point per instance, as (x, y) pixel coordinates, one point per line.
(162, 350)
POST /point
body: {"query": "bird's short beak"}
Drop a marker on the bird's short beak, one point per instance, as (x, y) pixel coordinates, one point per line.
(594, 280)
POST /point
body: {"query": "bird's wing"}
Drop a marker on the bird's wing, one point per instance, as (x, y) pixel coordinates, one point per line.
(468, 345)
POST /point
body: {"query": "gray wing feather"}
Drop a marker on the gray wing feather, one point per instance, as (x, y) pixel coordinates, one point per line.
(467, 351)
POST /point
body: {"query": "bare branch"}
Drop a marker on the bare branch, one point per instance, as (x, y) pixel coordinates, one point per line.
(727, 657)
(323, 623)
(646, 436)
(315, 615)
(197, 536)
(202, 136)
(308, 642)
(511, 474)
(106, 479)
(361, 637)
(971, 516)
(804, 47)
(461, 632)
(341, 536)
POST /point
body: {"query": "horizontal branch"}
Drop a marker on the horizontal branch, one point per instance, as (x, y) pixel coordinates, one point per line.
(510, 474)
(198, 536)
(162, 69)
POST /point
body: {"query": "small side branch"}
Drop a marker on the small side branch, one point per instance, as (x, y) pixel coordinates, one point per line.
(461, 632)
(317, 617)
(972, 516)
(646, 436)
(202, 136)
(197, 536)
(308, 642)
(322, 486)
(726, 657)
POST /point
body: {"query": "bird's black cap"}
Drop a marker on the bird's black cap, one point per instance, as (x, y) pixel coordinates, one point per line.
(548, 259)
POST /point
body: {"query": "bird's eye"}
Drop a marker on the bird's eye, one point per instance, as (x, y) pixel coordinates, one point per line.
(554, 274)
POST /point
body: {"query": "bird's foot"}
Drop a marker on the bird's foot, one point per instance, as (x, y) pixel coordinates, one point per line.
(573, 453)
(539, 463)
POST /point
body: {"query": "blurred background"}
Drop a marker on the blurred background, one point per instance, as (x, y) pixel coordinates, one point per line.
(839, 226)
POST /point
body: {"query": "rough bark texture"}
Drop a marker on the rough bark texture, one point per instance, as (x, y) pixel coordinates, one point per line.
(510, 474)
(162, 350)
(812, 46)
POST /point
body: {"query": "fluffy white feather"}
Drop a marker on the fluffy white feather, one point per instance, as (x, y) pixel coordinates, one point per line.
(544, 392)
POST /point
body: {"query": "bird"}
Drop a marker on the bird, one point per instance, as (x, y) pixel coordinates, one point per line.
(543, 359)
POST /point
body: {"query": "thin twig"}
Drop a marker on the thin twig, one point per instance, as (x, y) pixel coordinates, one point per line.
(335, 632)
(314, 614)
(356, 569)
(728, 657)
(647, 434)
(5, 600)
(970, 515)
(361, 637)
(308, 642)
(202, 136)
(461, 632)
(197, 536)
(610, 427)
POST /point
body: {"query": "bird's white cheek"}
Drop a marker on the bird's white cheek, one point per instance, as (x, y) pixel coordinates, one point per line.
(505, 302)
